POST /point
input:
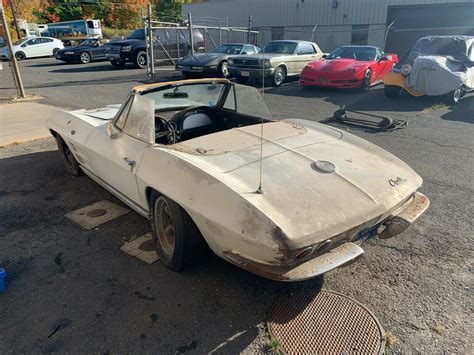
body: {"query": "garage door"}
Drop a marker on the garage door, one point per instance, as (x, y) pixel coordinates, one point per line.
(413, 22)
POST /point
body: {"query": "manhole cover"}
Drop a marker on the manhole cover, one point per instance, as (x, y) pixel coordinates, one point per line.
(97, 212)
(324, 322)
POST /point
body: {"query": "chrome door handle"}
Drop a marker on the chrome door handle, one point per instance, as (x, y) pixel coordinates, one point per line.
(130, 163)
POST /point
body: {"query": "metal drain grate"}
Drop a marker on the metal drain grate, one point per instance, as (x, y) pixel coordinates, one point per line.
(323, 323)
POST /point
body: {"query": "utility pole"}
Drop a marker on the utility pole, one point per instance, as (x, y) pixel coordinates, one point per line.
(14, 19)
(249, 29)
(190, 27)
(16, 72)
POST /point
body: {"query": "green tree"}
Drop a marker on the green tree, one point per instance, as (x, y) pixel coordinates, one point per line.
(169, 10)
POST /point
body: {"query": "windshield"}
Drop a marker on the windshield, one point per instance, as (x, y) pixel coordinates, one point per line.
(357, 53)
(207, 94)
(137, 34)
(20, 41)
(280, 47)
(229, 49)
(88, 42)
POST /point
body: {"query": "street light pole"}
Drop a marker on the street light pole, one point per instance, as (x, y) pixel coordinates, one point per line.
(16, 71)
(14, 19)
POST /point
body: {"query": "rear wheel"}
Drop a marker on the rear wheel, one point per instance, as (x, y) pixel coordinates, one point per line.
(20, 55)
(279, 76)
(391, 91)
(141, 60)
(70, 162)
(118, 64)
(177, 239)
(55, 51)
(85, 57)
(453, 97)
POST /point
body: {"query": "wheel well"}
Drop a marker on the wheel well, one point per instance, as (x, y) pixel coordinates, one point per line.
(53, 133)
(284, 68)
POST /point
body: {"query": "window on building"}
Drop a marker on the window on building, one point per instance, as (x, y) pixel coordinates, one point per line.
(278, 33)
(360, 34)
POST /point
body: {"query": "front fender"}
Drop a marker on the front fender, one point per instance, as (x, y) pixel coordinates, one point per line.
(393, 78)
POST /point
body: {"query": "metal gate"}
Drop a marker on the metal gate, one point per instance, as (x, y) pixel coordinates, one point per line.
(166, 42)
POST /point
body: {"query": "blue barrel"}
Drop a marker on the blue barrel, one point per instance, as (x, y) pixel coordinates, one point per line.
(3, 285)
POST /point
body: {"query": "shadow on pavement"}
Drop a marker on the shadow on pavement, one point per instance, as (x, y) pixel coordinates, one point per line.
(462, 112)
(73, 290)
(86, 68)
(372, 100)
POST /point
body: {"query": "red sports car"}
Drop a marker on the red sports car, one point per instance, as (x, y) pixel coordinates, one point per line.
(349, 67)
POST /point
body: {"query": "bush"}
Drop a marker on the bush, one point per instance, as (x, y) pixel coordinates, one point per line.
(114, 32)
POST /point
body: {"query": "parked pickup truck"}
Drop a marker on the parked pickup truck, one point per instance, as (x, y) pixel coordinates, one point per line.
(277, 61)
(167, 44)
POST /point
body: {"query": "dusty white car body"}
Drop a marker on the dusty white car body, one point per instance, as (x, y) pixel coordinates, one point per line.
(321, 188)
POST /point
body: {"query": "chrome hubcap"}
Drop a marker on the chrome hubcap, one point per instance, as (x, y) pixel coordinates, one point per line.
(165, 228)
(84, 57)
(142, 59)
(279, 77)
(225, 69)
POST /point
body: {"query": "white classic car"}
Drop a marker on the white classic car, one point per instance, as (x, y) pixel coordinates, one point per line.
(287, 200)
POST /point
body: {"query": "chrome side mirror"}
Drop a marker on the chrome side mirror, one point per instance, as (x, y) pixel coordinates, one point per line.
(112, 131)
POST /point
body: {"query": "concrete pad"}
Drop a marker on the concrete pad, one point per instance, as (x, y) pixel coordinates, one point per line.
(23, 121)
(96, 214)
(141, 248)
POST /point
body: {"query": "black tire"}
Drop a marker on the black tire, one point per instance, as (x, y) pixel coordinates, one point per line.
(55, 51)
(392, 91)
(85, 57)
(279, 76)
(366, 81)
(70, 162)
(223, 69)
(453, 97)
(241, 79)
(118, 64)
(141, 60)
(20, 55)
(177, 239)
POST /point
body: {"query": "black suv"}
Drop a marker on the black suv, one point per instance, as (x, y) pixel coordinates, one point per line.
(166, 43)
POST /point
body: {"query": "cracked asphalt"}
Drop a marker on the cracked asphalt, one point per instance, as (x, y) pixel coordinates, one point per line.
(72, 290)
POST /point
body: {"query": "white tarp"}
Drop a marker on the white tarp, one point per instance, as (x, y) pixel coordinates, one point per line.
(437, 75)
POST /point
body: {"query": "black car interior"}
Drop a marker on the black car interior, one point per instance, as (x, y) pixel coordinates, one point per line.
(177, 126)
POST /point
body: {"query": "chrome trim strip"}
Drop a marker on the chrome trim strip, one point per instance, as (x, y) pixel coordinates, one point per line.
(116, 193)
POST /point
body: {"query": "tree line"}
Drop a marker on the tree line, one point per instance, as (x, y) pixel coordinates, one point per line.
(116, 14)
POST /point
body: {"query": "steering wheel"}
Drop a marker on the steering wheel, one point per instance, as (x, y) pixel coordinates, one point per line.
(179, 117)
(170, 133)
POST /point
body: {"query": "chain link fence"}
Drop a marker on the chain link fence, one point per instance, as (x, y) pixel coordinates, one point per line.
(8, 86)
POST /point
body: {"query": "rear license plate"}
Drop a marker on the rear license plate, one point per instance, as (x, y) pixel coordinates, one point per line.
(244, 73)
(367, 234)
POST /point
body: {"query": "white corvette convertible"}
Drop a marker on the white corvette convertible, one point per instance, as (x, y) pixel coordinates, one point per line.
(287, 200)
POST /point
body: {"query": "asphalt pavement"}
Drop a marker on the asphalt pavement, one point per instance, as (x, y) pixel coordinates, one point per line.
(73, 290)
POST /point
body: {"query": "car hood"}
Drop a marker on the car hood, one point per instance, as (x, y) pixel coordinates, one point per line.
(202, 58)
(302, 199)
(105, 113)
(338, 65)
(125, 42)
(261, 56)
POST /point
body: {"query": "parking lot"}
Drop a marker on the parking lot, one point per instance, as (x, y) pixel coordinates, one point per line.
(73, 290)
